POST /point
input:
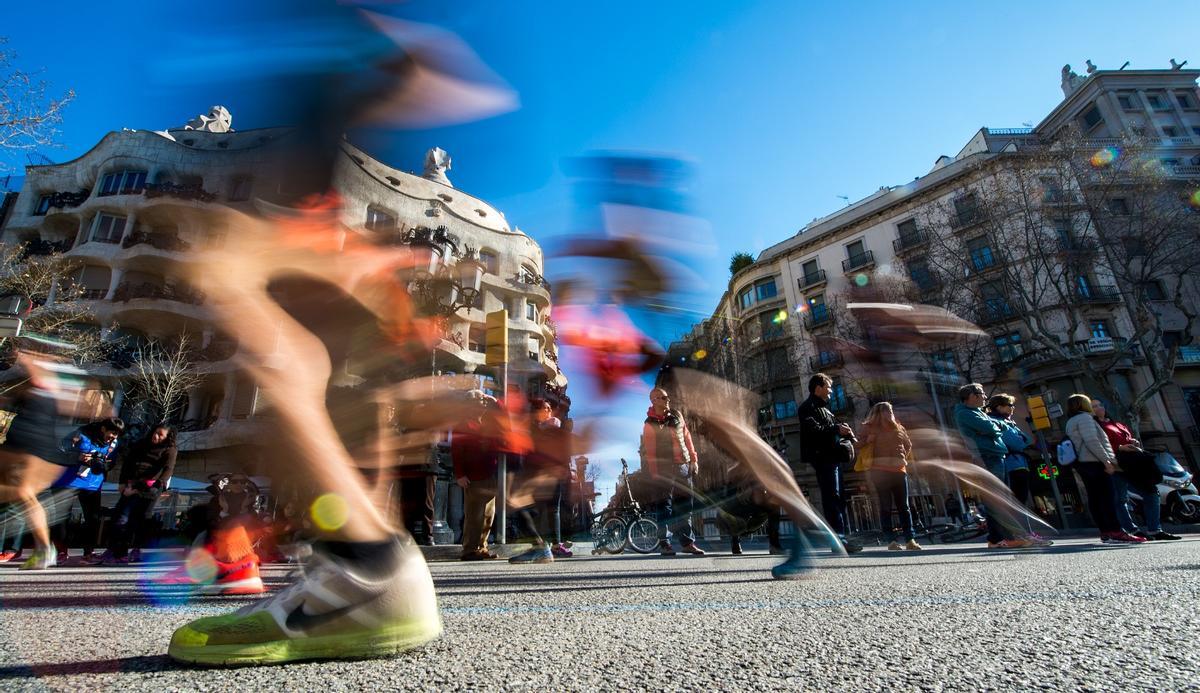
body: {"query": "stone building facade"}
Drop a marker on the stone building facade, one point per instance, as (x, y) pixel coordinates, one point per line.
(780, 319)
(130, 209)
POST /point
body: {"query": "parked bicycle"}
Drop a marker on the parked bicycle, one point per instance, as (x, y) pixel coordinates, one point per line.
(625, 525)
(977, 527)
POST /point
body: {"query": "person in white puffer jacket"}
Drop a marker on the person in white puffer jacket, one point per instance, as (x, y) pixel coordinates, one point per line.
(1095, 465)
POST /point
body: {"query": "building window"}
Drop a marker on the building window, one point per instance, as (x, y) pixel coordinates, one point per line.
(1196, 131)
(1172, 338)
(944, 362)
(1153, 291)
(1157, 101)
(778, 363)
(477, 339)
(817, 310)
(746, 298)
(1170, 131)
(535, 348)
(918, 271)
(966, 209)
(1083, 286)
(837, 398)
(981, 253)
(1127, 101)
(908, 230)
(812, 273)
(490, 262)
(784, 399)
(1099, 329)
(527, 275)
(240, 188)
(995, 300)
(1185, 101)
(530, 311)
(379, 220)
(1134, 246)
(1118, 206)
(1091, 118)
(123, 183)
(245, 398)
(108, 228)
(771, 325)
(1008, 346)
(765, 289)
(43, 205)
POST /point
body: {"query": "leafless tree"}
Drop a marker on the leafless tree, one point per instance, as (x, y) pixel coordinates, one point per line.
(1069, 239)
(66, 320)
(159, 379)
(28, 117)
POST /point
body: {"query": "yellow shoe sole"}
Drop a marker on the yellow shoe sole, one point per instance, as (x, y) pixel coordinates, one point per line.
(188, 646)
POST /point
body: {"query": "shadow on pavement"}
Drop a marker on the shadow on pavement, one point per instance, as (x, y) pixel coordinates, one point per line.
(94, 666)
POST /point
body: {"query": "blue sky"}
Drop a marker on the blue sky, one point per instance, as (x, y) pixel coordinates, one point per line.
(781, 107)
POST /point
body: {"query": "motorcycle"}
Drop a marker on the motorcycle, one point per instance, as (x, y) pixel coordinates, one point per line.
(1177, 493)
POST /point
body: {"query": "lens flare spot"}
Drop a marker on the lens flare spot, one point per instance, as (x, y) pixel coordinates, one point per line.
(1195, 199)
(330, 512)
(1106, 156)
(861, 279)
(700, 354)
(201, 566)
(780, 317)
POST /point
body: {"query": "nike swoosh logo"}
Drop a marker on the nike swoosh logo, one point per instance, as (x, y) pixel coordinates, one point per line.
(226, 573)
(300, 621)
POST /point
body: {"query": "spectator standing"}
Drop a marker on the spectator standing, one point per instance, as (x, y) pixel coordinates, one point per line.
(474, 455)
(93, 446)
(890, 451)
(1015, 467)
(669, 458)
(821, 437)
(986, 436)
(1138, 471)
(1096, 463)
(146, 469)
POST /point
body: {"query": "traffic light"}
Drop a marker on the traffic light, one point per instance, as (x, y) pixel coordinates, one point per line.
(496, 353)
(1037, 410)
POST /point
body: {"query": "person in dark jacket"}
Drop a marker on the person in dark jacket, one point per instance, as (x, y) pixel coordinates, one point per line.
(474, 453)
(821, 436)
(986, 436)
(146, 471)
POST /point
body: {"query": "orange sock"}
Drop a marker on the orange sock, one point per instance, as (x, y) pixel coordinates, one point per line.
(232, 544)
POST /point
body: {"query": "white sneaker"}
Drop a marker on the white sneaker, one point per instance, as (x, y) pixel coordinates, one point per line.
(331, 613)
(41, 559)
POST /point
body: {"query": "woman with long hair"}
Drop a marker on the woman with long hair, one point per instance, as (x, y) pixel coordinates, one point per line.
(1138, 471)
(145, 473)
(891, 448)
(1095, 463)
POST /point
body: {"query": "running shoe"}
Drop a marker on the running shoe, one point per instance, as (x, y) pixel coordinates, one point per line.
(539, 553)
(1126, 538)
(798, 566)
(206, 575)
(912, 545)
(333, 612)
(895, 546)
(664, 548)
(41, 560)
(692, 549)
(6, 556)
(1165, 536)
(851, 546)
(1038, 540)
(561, 551)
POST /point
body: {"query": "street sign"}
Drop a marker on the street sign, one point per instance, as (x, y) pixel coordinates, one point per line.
(1055, 410)
(10, 326)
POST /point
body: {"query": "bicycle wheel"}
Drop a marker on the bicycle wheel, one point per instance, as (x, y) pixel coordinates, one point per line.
(934, 532)
(964, 534)
(613, 534)
(643, 535)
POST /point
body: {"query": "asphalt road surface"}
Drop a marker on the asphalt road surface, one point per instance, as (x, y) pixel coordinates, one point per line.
(1078, 615)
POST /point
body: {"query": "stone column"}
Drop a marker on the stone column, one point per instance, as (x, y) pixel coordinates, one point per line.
(117, 275)
(130, 226)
